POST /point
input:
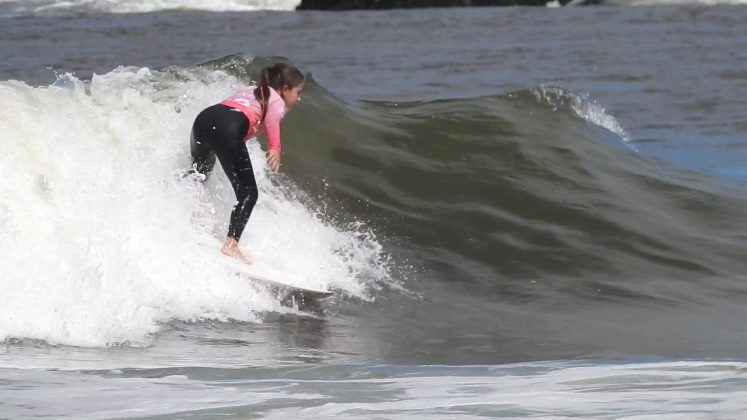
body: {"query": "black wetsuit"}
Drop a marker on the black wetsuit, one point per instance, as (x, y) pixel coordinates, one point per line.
(219, 131)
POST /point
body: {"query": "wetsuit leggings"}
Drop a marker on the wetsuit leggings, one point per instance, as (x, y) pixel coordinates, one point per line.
(219, 131)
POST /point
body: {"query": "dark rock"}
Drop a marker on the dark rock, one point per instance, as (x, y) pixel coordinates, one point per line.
(405, 4)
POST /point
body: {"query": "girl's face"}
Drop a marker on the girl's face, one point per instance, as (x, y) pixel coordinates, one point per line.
(291, 95)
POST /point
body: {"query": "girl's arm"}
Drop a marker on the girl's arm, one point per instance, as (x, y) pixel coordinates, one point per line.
(274, 115)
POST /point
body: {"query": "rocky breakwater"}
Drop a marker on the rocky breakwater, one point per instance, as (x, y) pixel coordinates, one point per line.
(404, 4)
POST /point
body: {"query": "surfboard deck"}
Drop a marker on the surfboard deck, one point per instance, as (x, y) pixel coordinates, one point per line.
(265, 276)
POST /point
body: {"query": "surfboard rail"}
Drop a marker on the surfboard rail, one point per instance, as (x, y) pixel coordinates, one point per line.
(262, 276)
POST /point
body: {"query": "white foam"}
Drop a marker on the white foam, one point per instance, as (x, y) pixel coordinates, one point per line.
(130, 6)
(99, 231)
(543, 390)
(671, 390)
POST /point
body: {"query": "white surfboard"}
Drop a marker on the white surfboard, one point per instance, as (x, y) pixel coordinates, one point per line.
(263, 275)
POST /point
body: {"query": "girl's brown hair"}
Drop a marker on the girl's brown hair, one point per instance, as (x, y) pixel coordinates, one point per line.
(277, 76)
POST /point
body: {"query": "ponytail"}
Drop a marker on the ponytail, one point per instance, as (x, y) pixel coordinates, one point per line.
(262, 92)
(277, 76)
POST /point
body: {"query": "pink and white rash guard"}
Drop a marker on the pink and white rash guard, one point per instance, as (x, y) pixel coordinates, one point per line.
(245, 102)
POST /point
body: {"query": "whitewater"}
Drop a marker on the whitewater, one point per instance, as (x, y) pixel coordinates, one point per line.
(101, 230)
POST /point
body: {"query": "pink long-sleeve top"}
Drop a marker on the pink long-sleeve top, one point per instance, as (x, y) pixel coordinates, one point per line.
(244, 101)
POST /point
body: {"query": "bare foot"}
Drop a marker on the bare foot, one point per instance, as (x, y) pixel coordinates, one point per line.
(231, 248)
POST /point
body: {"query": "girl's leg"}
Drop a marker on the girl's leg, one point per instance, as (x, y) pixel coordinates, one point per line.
(238, 168)
(225, 131)
(245, 187)
(201, 142)
(203, 158)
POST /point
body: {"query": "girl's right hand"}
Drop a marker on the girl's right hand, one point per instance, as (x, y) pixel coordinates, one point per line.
(273, 160)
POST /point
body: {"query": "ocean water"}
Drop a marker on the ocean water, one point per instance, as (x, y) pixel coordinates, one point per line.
(523, 213)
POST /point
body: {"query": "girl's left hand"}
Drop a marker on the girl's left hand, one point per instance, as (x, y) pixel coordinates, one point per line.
(273, 160)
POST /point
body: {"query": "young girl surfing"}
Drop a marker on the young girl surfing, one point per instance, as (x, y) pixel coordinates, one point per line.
(222, 129)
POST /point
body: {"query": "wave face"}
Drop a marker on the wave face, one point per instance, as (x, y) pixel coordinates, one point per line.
(529, 217)
(530, 184)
